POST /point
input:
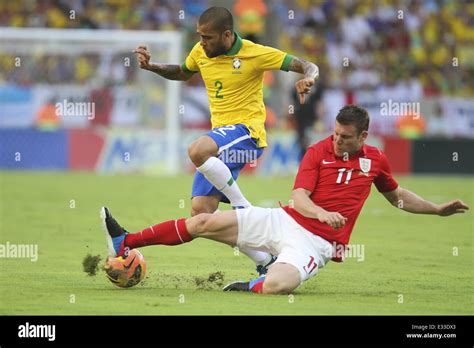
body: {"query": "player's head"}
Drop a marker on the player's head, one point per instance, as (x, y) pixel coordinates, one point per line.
(216, 27)
(351, 130)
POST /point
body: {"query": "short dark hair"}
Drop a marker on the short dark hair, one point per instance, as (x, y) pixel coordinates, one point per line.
(220, 18)
(356, 115)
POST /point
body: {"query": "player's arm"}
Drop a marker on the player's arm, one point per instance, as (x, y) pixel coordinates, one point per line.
(303, 204)
(412, 203)
(310, 71)
(168, 71)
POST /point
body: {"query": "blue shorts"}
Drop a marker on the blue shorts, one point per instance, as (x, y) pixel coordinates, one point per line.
(236, 149)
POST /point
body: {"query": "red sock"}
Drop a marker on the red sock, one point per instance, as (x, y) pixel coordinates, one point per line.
(171, 232)
(258, 288)
(257, 285)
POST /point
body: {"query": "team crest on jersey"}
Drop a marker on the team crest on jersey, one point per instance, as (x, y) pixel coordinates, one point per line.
(365, 164)
(236, 63)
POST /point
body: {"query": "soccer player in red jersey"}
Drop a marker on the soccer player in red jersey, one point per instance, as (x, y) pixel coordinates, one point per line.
(332, 184)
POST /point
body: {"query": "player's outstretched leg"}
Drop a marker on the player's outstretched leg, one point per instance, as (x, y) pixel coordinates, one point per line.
(171, 232)
(282, 278)
(221, 227)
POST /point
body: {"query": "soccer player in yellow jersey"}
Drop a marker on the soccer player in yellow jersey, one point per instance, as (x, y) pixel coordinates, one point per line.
(232, 70)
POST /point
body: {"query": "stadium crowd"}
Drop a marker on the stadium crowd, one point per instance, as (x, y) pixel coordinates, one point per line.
(413, 48)
(415, 42)
(420, 38)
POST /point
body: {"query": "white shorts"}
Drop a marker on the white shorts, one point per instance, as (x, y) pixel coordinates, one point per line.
(274, 231)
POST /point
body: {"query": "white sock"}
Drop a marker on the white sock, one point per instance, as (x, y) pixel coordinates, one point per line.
(259, 257)
(219, 175)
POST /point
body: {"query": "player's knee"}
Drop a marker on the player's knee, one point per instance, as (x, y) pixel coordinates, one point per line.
(201, 149)
(195, 211)
(194, 152)
(199, 208)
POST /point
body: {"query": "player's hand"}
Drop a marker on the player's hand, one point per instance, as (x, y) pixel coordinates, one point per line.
(143, 56)
(454, 207)
(303, 87)
(333, 219)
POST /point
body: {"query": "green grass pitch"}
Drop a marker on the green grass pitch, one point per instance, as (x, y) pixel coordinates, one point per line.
(413, 264)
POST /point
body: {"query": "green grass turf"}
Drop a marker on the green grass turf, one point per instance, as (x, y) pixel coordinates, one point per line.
(405, 254)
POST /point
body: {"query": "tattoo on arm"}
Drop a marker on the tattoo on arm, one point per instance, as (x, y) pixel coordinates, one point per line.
(169, 71)
(302, 66)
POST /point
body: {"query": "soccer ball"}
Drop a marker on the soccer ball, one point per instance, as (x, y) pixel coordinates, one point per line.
(126, 272)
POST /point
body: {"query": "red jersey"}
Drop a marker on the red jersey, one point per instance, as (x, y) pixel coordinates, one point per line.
(340, 186)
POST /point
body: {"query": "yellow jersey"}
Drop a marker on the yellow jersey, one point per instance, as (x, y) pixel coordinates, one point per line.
(234, 83)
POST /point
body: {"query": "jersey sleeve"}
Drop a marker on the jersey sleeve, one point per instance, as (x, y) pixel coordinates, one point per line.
(190, 64)
(308, 172)
(384, 180)
(270, 58)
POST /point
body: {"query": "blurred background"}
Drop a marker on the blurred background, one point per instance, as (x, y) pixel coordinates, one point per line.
(409, 62)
